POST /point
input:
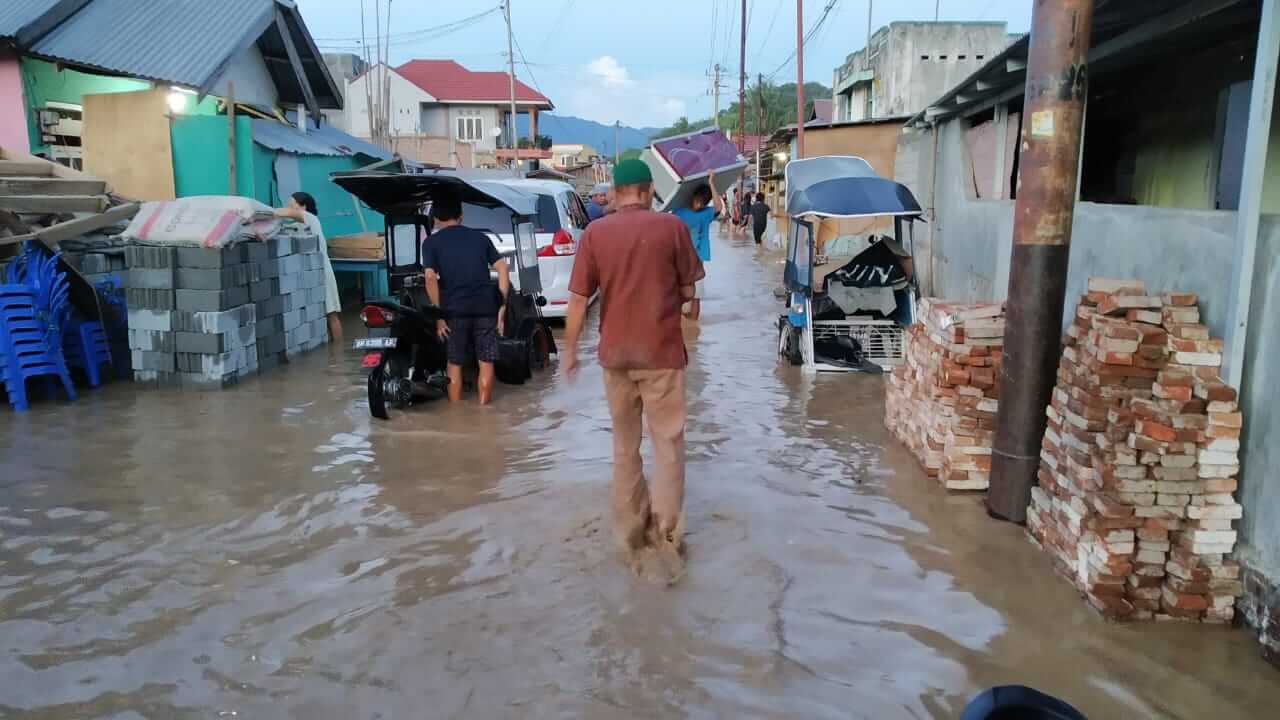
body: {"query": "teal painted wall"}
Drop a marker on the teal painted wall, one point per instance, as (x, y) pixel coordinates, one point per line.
(42, 83)
(200, 157)
(200, 168)
(338, 211)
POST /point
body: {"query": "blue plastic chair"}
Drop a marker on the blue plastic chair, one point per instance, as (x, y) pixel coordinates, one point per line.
(85, 347)
(33, 309)
(115, 314)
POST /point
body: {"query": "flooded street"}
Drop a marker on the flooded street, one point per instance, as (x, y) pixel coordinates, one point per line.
(270, 551)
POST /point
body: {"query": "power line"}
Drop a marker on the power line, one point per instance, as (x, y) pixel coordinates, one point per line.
(412, 36)
(808, 37)
(715, 12)
(525, 62)
(564, 12)
(772, 21)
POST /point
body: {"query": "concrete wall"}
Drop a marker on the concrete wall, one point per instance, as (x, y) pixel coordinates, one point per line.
(433, 149)
(913, 64)
(435, 120)
(1260, 484)
(964, 255)
(406, 103)
(13, 115)
(343, 67)
(954, 51)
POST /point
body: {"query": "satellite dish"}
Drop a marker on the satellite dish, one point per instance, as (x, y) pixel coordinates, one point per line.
(496, 132)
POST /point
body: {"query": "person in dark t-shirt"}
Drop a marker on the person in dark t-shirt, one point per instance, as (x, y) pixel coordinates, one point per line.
(759, 217)
(457, 261)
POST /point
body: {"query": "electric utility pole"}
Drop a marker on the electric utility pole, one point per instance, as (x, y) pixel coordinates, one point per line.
(799, 79)
(616, 153)
(759, 127)
(1057, 85)
(866, 54)
(716, 86)
(511, 64)
(742, 79)
(936, 6)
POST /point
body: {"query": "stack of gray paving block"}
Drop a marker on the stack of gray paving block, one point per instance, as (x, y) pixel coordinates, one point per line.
(206, 317)
(290, 299)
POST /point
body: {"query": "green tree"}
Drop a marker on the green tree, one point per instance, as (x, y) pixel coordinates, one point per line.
(777, 105)
(541, 142)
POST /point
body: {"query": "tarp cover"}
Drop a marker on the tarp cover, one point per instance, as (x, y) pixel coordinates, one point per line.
(877, 266)
(844, 186)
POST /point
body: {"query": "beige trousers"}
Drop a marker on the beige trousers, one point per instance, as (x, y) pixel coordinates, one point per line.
(655, 396)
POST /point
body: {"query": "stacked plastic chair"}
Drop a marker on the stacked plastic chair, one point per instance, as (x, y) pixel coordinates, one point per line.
(33, 307)
(85, 347)
(115, 314)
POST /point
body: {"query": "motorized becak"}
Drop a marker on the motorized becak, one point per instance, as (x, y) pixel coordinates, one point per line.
(816, 332)
(405, 358)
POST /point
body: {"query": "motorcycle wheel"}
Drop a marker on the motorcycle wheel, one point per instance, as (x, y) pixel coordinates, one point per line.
(789, 342)
(396, 385)
(377, 398)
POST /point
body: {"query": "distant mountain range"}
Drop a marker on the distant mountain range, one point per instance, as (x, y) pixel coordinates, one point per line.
(569, 130)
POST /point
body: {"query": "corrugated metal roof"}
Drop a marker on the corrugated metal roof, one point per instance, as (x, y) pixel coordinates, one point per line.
(17, 14)
(324, 140)
(184, 42)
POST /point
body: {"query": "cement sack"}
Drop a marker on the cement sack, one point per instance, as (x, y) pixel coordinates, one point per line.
(204, 221)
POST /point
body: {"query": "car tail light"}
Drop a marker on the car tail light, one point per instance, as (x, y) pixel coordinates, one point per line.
(561, 244)
(376, 317)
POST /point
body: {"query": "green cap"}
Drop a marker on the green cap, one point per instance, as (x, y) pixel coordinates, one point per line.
(631, 172)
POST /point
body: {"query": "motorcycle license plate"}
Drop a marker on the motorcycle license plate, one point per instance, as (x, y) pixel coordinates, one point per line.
(371, 360)
(375, 343)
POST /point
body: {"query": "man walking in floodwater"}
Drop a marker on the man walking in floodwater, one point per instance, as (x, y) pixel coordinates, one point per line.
(644, 266)
(457, 260)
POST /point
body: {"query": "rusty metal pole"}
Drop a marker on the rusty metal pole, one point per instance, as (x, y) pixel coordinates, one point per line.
(1057, 84)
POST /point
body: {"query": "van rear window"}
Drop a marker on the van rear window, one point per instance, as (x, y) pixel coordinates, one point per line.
(498, 220)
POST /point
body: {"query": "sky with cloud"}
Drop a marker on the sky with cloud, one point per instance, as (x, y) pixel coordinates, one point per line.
(643, 63)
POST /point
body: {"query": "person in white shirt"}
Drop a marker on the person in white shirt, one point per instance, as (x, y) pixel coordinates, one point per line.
(301, 207)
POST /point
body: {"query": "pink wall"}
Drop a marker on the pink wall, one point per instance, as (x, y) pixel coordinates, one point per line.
(13, 109)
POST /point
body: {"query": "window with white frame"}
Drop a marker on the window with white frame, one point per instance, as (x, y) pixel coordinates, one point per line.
(470, 127)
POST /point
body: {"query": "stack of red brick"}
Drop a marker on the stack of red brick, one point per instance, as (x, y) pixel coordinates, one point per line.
(942, 401)
(1139, 459)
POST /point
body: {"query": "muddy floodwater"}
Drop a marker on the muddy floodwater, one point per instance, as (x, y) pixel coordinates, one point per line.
(271, 552)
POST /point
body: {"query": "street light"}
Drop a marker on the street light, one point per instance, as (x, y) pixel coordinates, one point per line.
(780, 156)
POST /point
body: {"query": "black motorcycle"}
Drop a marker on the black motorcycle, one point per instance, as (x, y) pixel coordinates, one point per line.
(405, 357)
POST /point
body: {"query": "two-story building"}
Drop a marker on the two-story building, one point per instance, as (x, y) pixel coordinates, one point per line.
(441, 112)
(909, 64)
(572, 155)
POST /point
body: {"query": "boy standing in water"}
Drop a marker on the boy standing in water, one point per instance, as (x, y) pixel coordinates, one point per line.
(703, 209)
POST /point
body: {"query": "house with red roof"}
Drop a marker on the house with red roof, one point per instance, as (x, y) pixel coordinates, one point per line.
(454, 116)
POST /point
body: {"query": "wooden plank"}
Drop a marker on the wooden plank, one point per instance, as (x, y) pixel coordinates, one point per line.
(55, 234)
(52, 168)
(126, 141)
(51, 186)
(20, 168)
(54, 203)
(231, 138)
(295, 62)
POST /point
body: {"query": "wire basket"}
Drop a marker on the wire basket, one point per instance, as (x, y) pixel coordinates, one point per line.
(883, 341)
